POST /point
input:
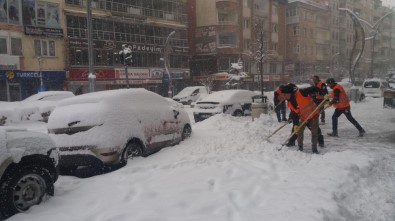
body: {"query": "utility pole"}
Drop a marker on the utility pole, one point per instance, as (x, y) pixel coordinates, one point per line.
(92, 75)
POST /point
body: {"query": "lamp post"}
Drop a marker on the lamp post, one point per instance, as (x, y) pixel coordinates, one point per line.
(40, 61)
(91, 76)
(166, 60)
(126, 58)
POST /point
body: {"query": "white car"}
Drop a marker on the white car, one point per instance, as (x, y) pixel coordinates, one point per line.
(190, 94)
(234, 102)
(36, 107)
(374, 87)
(108, 127)
(28, 169)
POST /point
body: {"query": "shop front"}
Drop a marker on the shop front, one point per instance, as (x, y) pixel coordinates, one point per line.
(17, 85)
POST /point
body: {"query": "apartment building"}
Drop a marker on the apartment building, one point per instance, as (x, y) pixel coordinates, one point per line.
(31, 48)
(225, 32)
(144, 25)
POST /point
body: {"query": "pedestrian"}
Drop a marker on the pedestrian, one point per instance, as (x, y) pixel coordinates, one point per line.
(279, 104)
(304, 106)
(320, 96)
(342, 106)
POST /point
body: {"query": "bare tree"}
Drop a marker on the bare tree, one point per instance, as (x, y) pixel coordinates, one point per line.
(261, 53)
(208, 82)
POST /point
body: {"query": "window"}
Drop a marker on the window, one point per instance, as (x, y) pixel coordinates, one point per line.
(296, 30)
(16, 46)
(246, 23)
(3, 45)
(44, 48)
(274, 28)
(274, 9)
(274, 46)
(246, 43)
(273, 68)
(246, 3)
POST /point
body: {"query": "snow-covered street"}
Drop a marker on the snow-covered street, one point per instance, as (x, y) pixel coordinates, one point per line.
(228, 171)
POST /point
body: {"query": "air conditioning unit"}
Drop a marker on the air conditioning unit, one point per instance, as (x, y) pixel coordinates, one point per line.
(134, 11)
(168, 16)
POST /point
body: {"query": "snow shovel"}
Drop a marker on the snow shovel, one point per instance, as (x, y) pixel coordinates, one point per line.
(277, 130)
(305, 121)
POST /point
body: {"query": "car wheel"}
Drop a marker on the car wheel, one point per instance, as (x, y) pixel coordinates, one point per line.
(189, 102)
(362, 97)
(238, 113)
(132, 149)
(186, 132)
(24, 187)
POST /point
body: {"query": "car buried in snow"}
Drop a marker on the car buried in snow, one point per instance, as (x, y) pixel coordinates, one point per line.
(37, 107)
(234, 102)
(28, 169)
(109, 127)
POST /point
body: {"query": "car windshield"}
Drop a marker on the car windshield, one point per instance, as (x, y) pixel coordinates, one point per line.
(372, 84)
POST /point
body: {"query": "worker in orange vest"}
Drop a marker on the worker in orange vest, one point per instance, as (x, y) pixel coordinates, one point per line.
(279, 104)
(342, 104)
(320, 96)
(304, 106)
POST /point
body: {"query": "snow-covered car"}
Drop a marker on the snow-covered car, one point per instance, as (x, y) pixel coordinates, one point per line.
(28, 169)
(234, 102)
(190, 94)
(374, 87)
(108, 127)
(36, 107)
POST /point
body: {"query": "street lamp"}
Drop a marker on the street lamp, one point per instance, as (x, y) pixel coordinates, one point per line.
(91, 76)
(40, 61)
(126, 58)
(166, 60)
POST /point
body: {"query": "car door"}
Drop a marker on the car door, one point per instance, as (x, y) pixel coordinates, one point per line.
(172, 125)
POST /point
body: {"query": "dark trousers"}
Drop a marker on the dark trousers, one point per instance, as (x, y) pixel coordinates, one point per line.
(313, 122)
(281, 112)
(295, 120)
(350, 118)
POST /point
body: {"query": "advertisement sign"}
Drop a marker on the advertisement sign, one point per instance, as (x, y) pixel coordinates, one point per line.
(52, 16)
(13, 11)
(82, 74)
(41, 31)
(156, 73)
(41, 14)
(138, 82)
(132, 73)
(29, 12)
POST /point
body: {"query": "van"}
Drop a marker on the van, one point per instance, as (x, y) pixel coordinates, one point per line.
(374, 87)
(190, 94)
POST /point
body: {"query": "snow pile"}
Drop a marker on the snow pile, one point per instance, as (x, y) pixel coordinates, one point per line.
(227, 170)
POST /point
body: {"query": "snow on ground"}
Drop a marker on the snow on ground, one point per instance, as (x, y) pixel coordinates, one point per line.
(228, 171)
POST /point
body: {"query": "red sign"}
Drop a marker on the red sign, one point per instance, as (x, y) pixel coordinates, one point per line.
(82, 74)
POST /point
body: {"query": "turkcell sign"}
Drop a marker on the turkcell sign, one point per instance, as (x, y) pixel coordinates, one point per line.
(33, 74)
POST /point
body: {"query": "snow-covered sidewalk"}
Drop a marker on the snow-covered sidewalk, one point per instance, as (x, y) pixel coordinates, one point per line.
(228, 171)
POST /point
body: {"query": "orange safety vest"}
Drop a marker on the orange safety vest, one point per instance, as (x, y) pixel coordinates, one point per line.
(318, 95)
(306, 106)
(343, 99)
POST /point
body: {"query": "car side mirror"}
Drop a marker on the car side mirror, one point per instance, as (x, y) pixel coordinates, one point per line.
(175, 114)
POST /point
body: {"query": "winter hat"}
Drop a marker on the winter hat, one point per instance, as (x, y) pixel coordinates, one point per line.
(288, 89)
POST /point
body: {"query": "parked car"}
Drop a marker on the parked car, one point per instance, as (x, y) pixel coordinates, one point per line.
(235, 102)
(374, 87)
(190, 94)
(108, 127)
(348, 87)
(36, 107)
(28, 169)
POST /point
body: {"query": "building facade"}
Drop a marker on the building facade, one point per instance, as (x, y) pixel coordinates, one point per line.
(225, 32)
(142, 25)
(32, 51)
